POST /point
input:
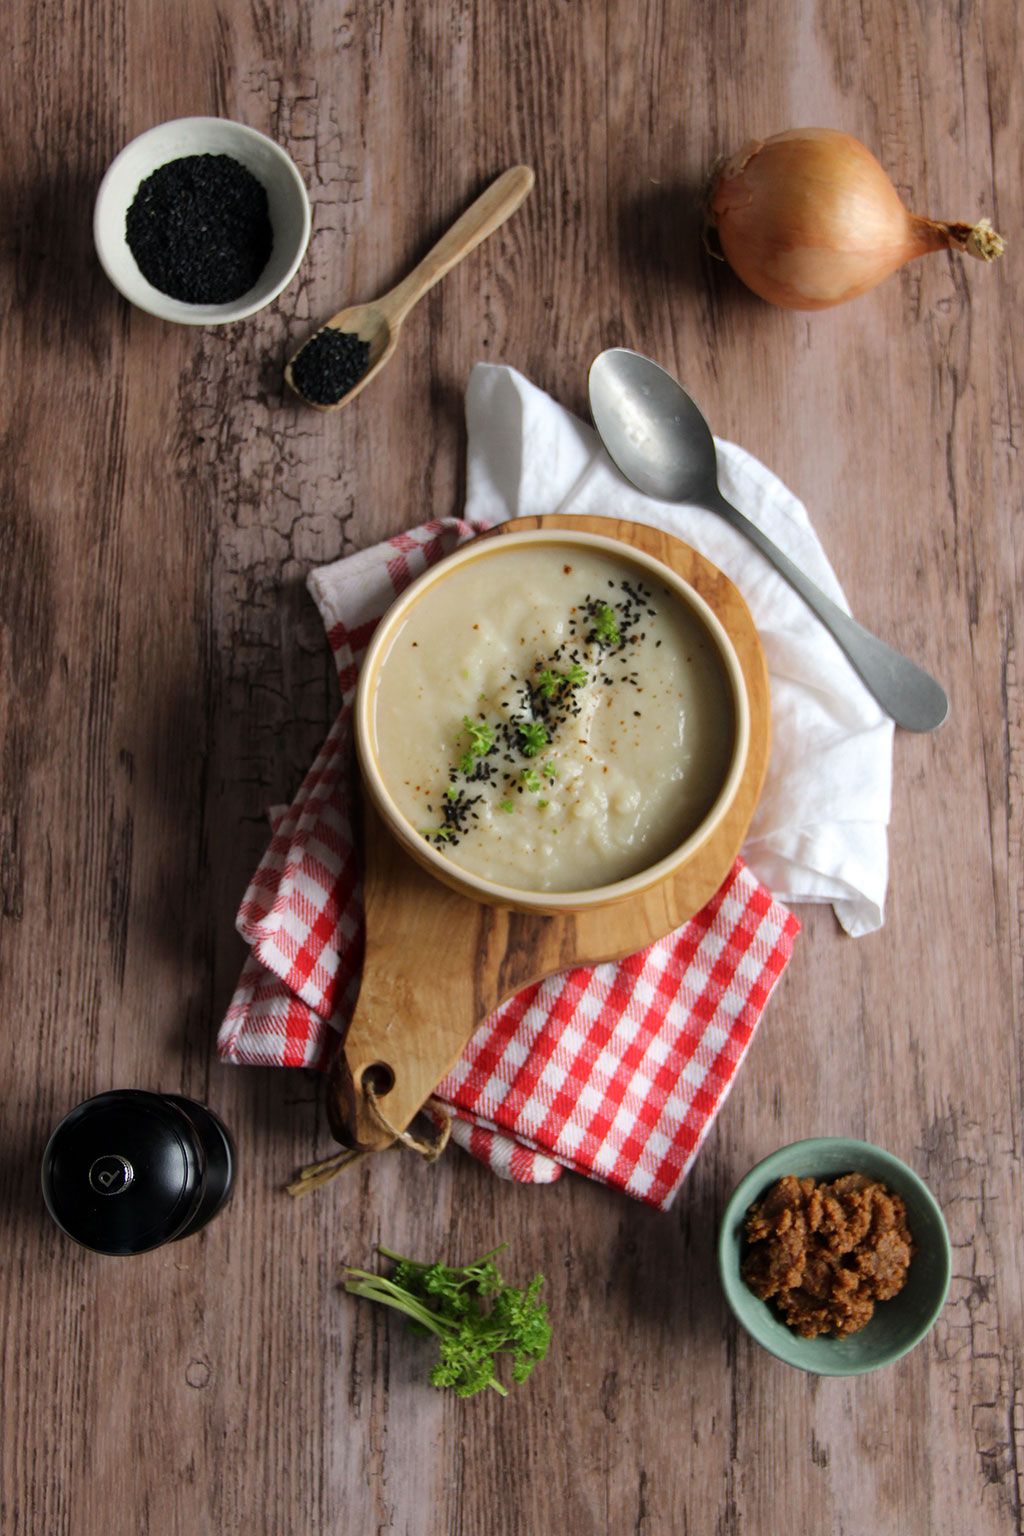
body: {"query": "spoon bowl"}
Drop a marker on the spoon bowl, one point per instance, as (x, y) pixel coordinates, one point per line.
(375, 325)
(652, 429)
(378, 323)
(656, 435)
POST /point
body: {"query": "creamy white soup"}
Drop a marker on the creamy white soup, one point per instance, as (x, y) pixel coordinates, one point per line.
(552, 718)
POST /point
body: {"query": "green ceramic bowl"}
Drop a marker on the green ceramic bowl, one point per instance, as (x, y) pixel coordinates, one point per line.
(898, 1324)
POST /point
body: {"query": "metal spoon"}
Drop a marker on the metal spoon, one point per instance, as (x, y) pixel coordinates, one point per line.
(660, 441)
(379, 322)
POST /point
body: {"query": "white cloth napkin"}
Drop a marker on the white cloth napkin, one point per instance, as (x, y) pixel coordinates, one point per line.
(820, 830)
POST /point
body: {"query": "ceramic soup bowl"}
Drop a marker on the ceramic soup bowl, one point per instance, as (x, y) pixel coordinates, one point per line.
(551, 721)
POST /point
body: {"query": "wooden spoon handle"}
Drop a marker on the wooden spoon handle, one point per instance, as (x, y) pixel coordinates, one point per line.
(480, 219)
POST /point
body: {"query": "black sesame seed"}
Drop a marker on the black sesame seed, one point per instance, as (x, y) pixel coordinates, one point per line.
(199, 229)
(329, 365)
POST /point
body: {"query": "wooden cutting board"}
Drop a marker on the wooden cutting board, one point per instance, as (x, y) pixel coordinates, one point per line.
(438, 962)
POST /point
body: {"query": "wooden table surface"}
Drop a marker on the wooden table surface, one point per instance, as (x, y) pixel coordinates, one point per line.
(165, 679)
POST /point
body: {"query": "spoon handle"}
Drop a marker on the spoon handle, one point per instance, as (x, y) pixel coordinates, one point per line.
(480, 219)
(910, 695)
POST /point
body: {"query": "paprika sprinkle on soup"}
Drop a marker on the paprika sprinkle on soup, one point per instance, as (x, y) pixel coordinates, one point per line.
(199, 229)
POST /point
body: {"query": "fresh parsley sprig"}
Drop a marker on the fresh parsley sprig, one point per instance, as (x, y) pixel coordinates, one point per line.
(447, 1302)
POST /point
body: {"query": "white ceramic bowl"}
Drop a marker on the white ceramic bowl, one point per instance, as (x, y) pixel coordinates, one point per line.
(286, 197)
(489, 891)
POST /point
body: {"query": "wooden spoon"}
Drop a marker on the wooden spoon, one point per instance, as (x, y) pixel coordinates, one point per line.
(379, 322)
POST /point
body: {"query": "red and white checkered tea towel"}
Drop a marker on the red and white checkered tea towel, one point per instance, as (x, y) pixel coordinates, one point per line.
(615, 1070)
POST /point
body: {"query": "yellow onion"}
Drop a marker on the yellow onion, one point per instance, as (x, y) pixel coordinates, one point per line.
(808, 219)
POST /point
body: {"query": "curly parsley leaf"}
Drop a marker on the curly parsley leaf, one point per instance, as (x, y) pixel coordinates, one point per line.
(534, 736)
(549, 681)
(481, 736)
(449, 1302)
(606, 628)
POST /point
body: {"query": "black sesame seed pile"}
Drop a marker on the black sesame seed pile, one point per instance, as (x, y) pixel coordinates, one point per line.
(606, 633)
(630, 611)
(199, 229)
(329, 365)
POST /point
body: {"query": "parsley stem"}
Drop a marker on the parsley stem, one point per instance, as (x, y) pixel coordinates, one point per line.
(377, 1288)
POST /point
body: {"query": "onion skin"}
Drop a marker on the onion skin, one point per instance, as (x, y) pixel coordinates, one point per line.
(808, 219)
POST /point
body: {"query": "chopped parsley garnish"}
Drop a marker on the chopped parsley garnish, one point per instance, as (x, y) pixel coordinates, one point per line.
(537, 710)
(550, 681)
(604, 623)
(534, 737)
(481, 736)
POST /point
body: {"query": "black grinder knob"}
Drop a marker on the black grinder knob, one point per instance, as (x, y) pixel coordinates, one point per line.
(128, 1171)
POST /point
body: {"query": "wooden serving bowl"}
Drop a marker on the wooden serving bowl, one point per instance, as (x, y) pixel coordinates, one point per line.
(439, 959)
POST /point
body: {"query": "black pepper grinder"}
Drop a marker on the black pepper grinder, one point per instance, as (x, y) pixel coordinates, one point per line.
(128, 1171)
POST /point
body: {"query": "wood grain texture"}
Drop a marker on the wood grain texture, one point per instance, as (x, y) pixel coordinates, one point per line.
(378, 322)
(163, 679)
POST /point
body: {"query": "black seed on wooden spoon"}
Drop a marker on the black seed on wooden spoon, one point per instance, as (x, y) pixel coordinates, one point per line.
(329, 365)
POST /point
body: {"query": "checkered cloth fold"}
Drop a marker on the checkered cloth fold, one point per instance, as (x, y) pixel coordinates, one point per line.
(614, 1070)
